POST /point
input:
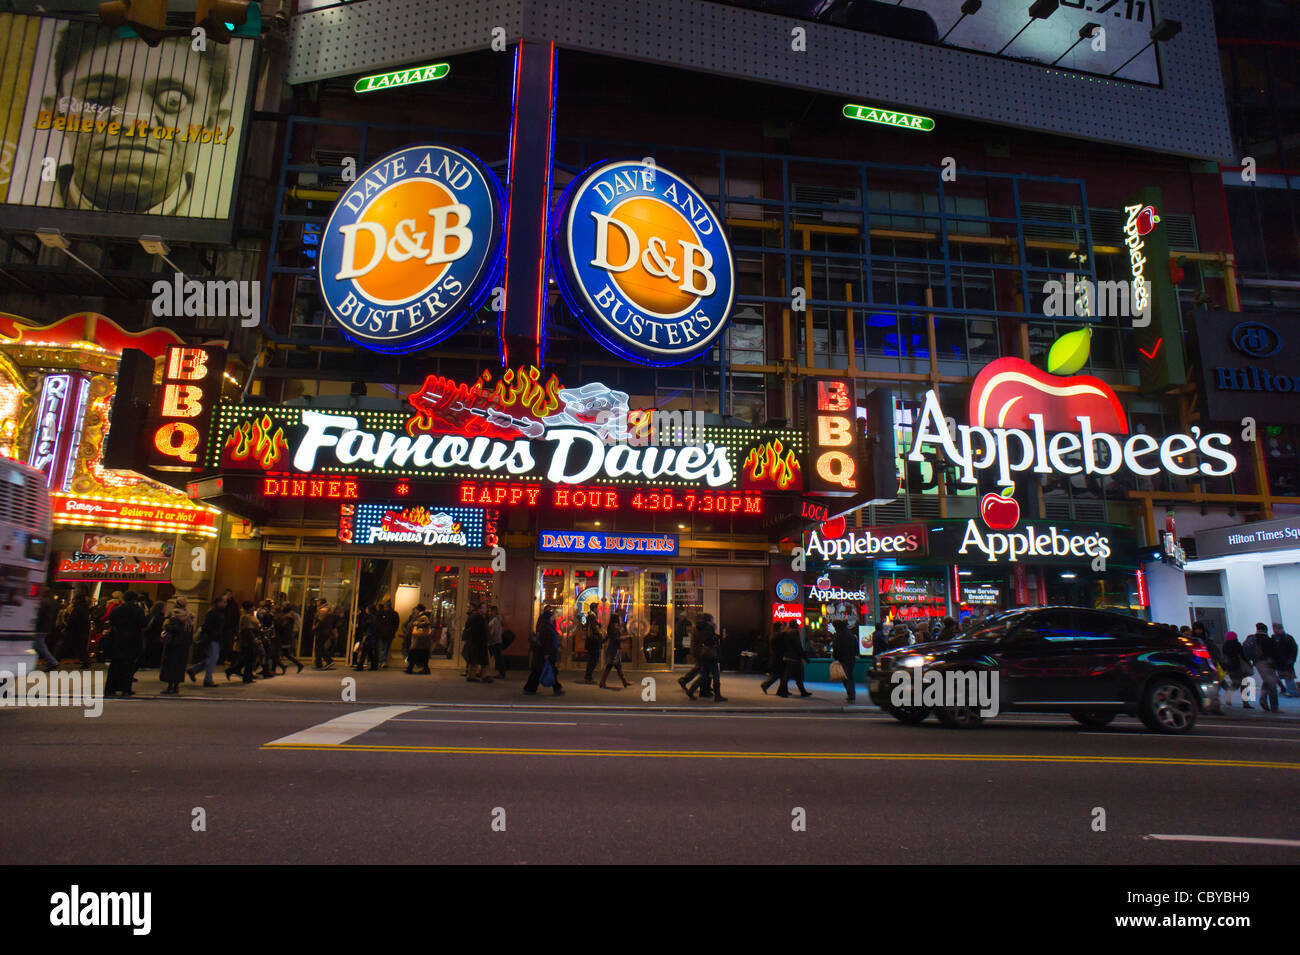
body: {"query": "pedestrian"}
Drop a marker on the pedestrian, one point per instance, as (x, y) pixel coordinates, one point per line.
(845, 651)
(496, 640)
(545, 648)
(47, 615)
(795, 655)
(710, 681)
(177, 638)
(207, 642)
(286, 623)
(1286, 657)
(592, 645)
(366, 648)
(614, 651)
(324, 634)
(246, 648)
(1266, 663)
(475, 640)
(1216, 658)
(230, 626)
(775, 657)
(79, 624)
(1236, 667)
(151, 654)
(421, 641)
(697, 669)
(405, 632)
(125, 644)
(948, 631)
(386, 623)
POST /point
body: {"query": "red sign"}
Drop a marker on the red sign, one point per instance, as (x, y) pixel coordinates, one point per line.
(1007, 392)
(182, 412)
(72, 510)
(787, 613)
(95, 567)
(1144, 600)
(836, 446)
(327, 488)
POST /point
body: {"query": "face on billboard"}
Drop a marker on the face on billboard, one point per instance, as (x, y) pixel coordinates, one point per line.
(169, 86)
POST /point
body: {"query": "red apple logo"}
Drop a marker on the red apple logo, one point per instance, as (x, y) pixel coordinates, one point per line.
(1000, 511)
(1007, 391)
(823, 583)
(1146, 220)
(833, 528)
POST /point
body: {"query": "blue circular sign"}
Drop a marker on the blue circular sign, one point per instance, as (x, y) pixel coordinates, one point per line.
(412, 249)
(787, 590)
(1256, 339)
(644, 262)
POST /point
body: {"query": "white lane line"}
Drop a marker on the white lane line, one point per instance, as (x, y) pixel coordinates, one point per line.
(343, 728)
(408, 719)
(1191, 736)
(1243, 840)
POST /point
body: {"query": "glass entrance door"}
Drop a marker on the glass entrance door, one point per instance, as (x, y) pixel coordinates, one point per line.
(641, 598)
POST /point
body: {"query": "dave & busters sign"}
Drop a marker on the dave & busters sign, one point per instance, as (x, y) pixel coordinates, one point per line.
(643, 261)
(413, 248)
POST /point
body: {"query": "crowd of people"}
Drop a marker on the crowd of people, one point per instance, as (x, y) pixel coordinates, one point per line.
(1261, 667)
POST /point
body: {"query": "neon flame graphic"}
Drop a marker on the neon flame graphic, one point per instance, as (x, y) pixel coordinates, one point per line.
(254, 440)
(767, 466)
(446, 406)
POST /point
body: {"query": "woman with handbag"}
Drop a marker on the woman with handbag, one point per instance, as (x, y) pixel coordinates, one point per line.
(545, 654)
(421, 644)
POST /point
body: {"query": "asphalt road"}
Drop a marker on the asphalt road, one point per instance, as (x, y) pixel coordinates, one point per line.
(281, 783)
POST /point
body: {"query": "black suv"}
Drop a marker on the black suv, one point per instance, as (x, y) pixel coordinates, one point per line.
(1092, 664)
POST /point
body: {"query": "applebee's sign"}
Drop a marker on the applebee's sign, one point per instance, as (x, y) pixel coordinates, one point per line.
(1032, 542)
(885, 541)
(1023, 419)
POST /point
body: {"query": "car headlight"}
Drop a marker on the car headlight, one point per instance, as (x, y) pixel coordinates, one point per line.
(916, 660)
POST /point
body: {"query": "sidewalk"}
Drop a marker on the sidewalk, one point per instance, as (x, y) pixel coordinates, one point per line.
(446, 687)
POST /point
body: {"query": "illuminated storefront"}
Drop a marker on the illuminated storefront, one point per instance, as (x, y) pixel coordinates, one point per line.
(113, 530)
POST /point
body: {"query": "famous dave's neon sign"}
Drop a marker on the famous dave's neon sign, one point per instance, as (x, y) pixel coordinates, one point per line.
(643, 261)
(1023, 419)
(517, 427)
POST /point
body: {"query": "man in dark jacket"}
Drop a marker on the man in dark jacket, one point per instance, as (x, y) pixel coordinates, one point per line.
(79, 629)
(544, 647)
(844, 648)
(325, 633)
(775, 656)
(476, 642)
(1286, 657)
(795, 655)
(207, 642)
(592, 644)
(47, 616)
(710, 663)
(385, 627)
(1266, 655)
(125, 644)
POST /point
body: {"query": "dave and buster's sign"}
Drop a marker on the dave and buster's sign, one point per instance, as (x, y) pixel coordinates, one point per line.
(412, 249)
(643, 262)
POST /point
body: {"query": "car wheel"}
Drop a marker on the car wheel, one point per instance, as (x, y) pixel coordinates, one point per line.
(1094, 718)
(1168, 706)
(909, 714)
(959, 717)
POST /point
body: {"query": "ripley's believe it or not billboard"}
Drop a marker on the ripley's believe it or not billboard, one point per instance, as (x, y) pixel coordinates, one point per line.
(104, 135)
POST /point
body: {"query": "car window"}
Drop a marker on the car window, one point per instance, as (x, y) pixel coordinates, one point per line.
(1051, 625)
(1096, 629)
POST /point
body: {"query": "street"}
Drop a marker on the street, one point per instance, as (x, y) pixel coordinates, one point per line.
(546, 781)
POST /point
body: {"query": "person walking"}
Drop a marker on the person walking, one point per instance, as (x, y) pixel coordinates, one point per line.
(207, 642)
(592, 645)
(367, 646)
(775, 657)
(1266, 663)
(496, 640)
(709, 683)
(246, 647)
(545, 649)
(697, 658)
(286, 623)
(47, 616)
(421, 642)
(386, 623)
(614, 651)
(475, 639)
(1235, 667)
(1286, 657)
(844, 649)
(795, 655)
(125, 644)
(177, 638)
(1197, 632)
(324, 634)
(78, 629)
(151, 652)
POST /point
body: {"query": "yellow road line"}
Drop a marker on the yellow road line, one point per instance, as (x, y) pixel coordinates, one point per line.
(725, 754)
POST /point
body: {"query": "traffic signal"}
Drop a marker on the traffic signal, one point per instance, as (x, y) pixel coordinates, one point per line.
(148, 18)
(222, 18)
